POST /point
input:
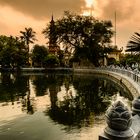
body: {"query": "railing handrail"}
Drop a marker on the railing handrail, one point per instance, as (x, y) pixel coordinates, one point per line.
(133, 74)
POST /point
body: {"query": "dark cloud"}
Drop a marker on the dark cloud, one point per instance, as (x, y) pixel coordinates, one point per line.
(124, 9)
(43, 9)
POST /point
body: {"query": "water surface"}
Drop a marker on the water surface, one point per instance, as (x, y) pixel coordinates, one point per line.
(56, 106)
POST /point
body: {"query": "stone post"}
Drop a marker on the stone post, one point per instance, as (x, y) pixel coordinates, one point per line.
(118, 120)
(136, 106)
(136, 117)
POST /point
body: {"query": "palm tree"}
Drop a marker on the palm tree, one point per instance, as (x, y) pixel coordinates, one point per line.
(134, 44)
(28, 36)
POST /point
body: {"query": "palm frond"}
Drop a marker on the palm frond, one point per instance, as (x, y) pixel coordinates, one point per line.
(134, 44)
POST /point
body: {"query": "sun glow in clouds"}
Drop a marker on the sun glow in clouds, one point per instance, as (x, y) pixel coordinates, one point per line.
(89, 8)
(89, 3)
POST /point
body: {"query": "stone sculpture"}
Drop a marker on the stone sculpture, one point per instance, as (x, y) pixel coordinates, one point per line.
(119, 120)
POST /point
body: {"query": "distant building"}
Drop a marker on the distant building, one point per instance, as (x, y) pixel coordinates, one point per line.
(116, 54)
(53, 47)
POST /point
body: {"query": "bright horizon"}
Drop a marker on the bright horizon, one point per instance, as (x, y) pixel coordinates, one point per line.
(15, 15)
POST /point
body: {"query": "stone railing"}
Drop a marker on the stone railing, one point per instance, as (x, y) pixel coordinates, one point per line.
(133, 74)
(122, 124)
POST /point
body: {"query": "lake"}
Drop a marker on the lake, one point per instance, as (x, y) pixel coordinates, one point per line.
(56, 106)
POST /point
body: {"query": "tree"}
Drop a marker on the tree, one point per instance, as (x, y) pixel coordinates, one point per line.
(51, 61)
(28, 36)
(39, 53)
(129, 59)
(61, 57)
(12, 52)
(82, 33)
(134, 44)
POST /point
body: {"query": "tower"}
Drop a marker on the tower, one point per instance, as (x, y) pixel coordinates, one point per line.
(53, 47)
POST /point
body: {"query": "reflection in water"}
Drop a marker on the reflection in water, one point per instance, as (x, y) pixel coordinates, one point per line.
(12, 88)
(85, 98)
(74, 101)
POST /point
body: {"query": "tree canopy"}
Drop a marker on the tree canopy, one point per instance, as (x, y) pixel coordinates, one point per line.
(51, 61)
(83, 34)
(28, 36)
(39, 53)
(12, 52)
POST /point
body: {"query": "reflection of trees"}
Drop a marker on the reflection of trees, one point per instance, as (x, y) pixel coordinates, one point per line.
(44, 82)
(15, 87)
(12, 87)
(93, 95)
(6, 88)
(22, 84)
(27, 101)
(23, 88)
(54, 88)
(40, 83)
(27, 104)
(74, 110)
(89, 89)
(110, 87)
(54, 84)
(91, 98)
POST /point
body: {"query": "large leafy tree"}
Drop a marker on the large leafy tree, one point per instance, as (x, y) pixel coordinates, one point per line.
(39, 53)
(134, 44)
(83, 35)
(12, 52)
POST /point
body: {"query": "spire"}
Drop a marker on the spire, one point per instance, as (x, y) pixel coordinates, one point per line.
(53, 48)
(115, 30)
(52, 20)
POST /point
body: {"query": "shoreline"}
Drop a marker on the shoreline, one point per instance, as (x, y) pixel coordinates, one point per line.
(131, 85)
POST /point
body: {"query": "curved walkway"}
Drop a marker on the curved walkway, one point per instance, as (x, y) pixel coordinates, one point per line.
(132, 85)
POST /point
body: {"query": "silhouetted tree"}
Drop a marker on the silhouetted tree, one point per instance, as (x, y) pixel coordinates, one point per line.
(28, 36)
(51, 61)
(83, 35)
(134, 44)
(39, 53)
(12, 52)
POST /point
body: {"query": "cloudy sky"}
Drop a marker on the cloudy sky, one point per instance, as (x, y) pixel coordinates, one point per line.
(15, 15)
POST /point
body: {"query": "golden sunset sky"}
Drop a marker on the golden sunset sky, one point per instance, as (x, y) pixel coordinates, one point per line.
(15, 15)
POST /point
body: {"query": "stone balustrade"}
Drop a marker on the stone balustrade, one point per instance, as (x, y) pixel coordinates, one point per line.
(133, 74)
